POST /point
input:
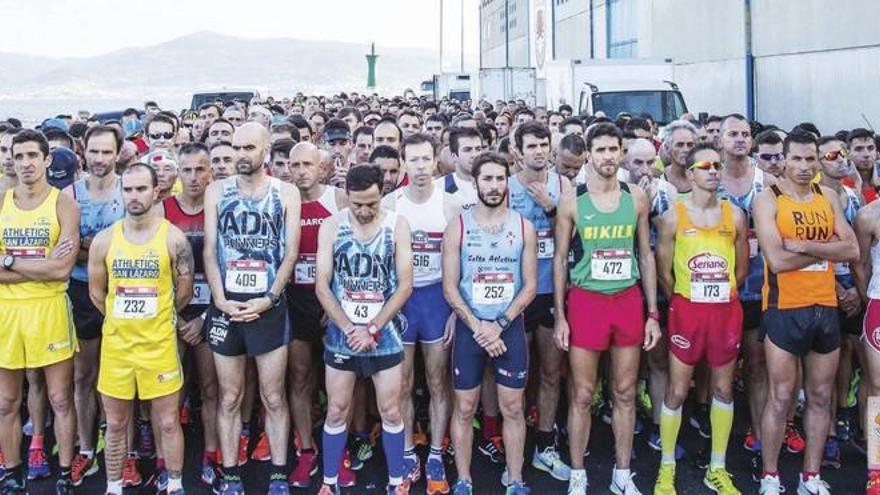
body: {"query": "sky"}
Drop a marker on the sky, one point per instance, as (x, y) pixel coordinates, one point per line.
(82, 28)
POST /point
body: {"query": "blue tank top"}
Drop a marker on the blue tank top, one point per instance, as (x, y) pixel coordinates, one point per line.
(250, 240)
(95, 216)
(523, 203)
(842, 272)
(491, 265)
(751, 288)
(364, 278)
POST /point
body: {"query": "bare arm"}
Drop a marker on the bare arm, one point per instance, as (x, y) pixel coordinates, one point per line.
(212, 271)
(404, 267)
(54, 269)
(665, 250)
(452, 274)
(324, 275)
(183, 267)
(98, 269)
(529, 269)
(566, 220)
(292, 208)
(844, 247)
(777, 257)
(865, 231)
(647, 268)
(741, 245)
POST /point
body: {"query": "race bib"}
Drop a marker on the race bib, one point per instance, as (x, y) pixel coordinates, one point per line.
(247, 277)
(611, 264)
(362, 307)
(492, 288)
(135, 303)
(305, 269)
(427, 252)
(819, 266)
(201, 291)
(545, 244)
(841, 268)
(710, 288)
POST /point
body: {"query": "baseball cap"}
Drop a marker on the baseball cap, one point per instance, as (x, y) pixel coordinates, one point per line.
(160, 157)
(56, 123)
(62, 170)
(335, 133)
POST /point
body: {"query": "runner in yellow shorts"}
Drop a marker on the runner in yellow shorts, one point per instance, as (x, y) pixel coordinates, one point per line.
(38, 231)
(140, 276)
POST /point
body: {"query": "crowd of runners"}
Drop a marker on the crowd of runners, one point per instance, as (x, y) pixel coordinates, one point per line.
(396, 271)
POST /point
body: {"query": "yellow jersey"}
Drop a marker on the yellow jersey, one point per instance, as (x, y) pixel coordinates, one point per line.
(704, 258)
(140, 289)
(30, 235)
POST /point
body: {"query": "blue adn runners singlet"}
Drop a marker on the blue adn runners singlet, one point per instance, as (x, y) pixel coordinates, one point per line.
(95, 216)
(250, 240)
(522, 202)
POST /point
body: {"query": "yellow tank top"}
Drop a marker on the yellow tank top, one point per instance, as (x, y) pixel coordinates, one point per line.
(704, 259)
(30, 235)
(814, 284)
(140, 288)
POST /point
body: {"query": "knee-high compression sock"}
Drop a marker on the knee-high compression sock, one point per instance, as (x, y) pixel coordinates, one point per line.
(670, 423)
(721, 417)
(392, 443)
(333, 444)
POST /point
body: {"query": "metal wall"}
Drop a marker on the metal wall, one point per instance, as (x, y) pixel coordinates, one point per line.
(494, 51)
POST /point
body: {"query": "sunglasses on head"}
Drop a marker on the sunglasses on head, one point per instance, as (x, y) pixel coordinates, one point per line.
(704, 165)
(161, 135)
(833, 155)
(770, 157)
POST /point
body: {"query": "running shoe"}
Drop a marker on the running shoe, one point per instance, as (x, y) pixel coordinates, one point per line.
(843, 426)
(757, 467)
(873, 486)
(720, 481)
(64, 487)
(551, 462)
(131, 476)
(831, 454)
(665, 484)
(607, 412)
(493, 448)
(279, 487)
(751, 442)
(435, 474)
(346, 477)
(814, 485)
(361, 448)
(146, 446)
(629, 488)
(261, 452)
(102, 441)
(401, 489)
(27, 429)
(81, 468)
(700, 420)
(770, 485)
(38, 466)
(177, 492)
(244, 439)
(185, 412)
(330, 490)
(209, 473)
(306, 467)
(643, 399)
(412, 469)
(230, 488)
(577, 483)
(12, 486)
(852, 395)
(3, 471)
(655, 443)
(794, 442)
(531, 416)
(463, 487)
(518, 488)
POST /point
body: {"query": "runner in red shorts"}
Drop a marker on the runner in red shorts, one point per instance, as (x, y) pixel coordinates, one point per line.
(702, 256)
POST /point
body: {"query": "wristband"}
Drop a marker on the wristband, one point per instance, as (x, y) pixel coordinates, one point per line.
(654, 315)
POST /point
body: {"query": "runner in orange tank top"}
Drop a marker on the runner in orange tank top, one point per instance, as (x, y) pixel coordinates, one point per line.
(802, 232)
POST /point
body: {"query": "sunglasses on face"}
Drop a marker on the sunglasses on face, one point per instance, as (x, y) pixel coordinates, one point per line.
(833, 155)
(771, 157)
(162, 135)
(707, 166)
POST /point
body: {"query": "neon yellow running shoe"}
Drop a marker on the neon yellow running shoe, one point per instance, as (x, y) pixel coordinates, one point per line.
(665, 484)
(720, 481)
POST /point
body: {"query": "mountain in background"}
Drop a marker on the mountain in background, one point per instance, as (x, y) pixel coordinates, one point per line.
(169, 72)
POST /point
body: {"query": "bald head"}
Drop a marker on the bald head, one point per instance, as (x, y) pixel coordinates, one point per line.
(639, 159)
(306, 169)
(305, 150)
(250, 144)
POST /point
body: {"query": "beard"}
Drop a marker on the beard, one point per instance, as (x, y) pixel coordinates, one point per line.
(492, 202)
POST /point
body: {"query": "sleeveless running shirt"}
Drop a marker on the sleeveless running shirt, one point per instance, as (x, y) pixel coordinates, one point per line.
(811, 285)
(30, 235)
(250, 239)
(754, 282)
(874, 283)
(606, 256)
(312, 215)
(464, 191)
(94, 216)
(491, 264)
(140, 288)
(842, 271)
(193, 226)
(704, 258)
(364, 278)
(427, 222)
(522, 202)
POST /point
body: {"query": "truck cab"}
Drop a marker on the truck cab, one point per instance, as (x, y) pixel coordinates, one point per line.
(661, 99)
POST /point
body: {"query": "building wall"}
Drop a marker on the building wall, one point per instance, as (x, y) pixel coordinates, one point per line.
(493, 34)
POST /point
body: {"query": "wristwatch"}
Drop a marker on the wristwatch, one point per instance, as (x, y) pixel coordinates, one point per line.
(273, 298)
(502, 321)
(374, 331)
(8, 261)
